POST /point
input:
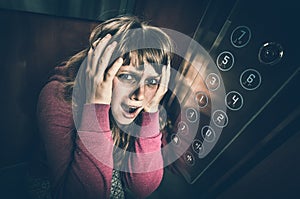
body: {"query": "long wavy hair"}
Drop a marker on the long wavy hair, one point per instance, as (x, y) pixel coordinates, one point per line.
(131, 34)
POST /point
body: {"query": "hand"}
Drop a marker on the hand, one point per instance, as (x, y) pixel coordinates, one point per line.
(152, 106)
(98, 84)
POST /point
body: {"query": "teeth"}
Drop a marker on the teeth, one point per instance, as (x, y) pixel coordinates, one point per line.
(132, 109)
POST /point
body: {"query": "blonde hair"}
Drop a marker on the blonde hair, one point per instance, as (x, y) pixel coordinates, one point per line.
(129, 41)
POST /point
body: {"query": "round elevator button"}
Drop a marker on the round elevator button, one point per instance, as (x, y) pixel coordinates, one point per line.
(270, 53)
(192, 115)
(250, 79)
(175, 139)
(220, 118)
(189, 158)
(225, 61)
(240, 36)
(208, 133)
(201, 99)
(182, 128)
(212, 81)
(197, 146)
(234, 100)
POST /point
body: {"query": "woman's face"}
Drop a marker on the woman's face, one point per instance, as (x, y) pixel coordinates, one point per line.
(133, 88)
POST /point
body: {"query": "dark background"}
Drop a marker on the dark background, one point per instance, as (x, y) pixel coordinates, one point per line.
(37, 37)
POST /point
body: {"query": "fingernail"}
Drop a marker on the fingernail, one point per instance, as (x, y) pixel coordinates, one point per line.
(108, 35)
(120, 60)
(114, 43)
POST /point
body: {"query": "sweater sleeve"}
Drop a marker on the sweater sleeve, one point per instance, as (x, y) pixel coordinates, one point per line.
(80, 160)
(146, 164)
(75, 172)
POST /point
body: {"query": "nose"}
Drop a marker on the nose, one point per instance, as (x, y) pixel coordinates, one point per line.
(138, 94)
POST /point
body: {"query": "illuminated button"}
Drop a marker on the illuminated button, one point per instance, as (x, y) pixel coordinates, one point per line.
(250, 79)
(189, 158)
(212, 81)
(182, 128)
(192, 115)
(220, 118)
(225, 61)
(208, 134)
(201, 99)
(175, 139)
(234, 100)
(240, 36)
(197, 146)
(270, 53)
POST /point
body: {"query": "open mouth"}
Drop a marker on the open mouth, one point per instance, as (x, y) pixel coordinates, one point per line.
(130, 111)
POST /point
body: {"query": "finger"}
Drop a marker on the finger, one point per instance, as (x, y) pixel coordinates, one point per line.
(111, 73)
(166, 79)
(90, 57)
(104, 60)
(163, 82)
(87, 61)
(98, 51)
(161, 89)
(168, 73)
(95, 43)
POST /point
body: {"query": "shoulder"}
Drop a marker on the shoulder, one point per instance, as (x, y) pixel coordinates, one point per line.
(51, 102)
(51, 93)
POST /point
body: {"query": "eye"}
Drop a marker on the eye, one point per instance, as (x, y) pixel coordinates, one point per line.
(152, 82)
(125, 77)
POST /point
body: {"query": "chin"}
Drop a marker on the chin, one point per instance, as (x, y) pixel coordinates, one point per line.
(124, 122)
(121, 120)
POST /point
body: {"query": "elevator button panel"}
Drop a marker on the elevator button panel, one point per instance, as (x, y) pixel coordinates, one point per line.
(255, 59)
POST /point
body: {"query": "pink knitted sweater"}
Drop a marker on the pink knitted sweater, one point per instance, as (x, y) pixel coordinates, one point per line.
(75, 162)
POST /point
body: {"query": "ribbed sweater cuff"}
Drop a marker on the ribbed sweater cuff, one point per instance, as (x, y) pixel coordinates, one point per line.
(150, 125)
(95, 118)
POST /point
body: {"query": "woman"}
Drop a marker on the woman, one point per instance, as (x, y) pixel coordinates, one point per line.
(108, 93)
